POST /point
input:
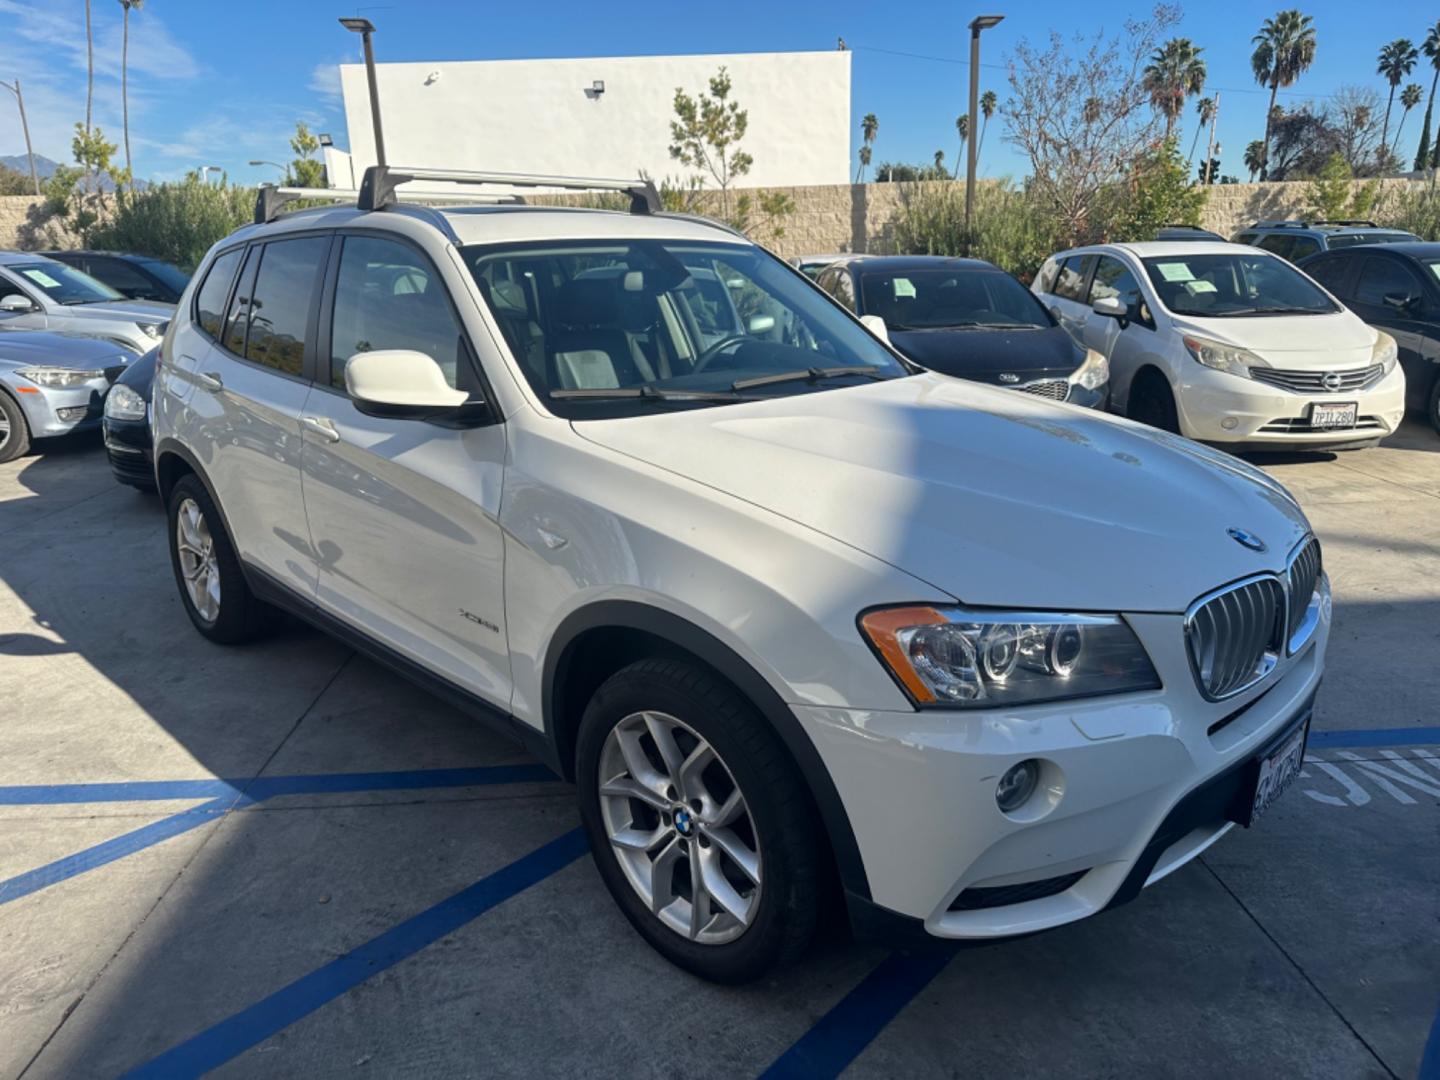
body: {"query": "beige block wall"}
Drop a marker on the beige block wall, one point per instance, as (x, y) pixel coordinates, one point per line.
(25, 226)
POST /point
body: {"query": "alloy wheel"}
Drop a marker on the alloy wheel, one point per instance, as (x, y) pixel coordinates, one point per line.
(4, 429)
(680, 827)
(198, 564)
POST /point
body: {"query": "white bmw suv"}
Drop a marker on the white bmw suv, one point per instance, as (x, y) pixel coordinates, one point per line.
(798, 619)
(1227, 344)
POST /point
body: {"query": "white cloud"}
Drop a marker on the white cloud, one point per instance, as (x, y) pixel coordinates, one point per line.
(325, 81)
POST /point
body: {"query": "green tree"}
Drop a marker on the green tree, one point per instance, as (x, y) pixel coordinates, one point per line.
(305, 170)
(1155, 191)
(1205, 110)
(1409, 98)
(865, 155)
(1254, 158)
(1333, 194)
(1284, 50)
(988, 104)
(128, 6)
(1396, 60)
(869, 128)
(707, 132)
(962, 129)
(940, 161)
(14, 182)
(1431, 48)
(177, 222)
(1174, 73)
(82, 206)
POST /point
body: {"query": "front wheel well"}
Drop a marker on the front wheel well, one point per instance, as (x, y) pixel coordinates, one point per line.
(169, 468)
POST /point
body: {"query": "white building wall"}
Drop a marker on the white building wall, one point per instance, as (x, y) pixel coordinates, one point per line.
(536, 116)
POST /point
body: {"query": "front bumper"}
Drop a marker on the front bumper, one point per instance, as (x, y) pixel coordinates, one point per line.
(919, 788)
(50, 412)
(1259, 415)
(129, 447)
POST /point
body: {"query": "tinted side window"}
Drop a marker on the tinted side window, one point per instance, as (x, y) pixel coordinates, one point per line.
(389, 297)
(1244, 238)
(237, 320)
(1280, 245)
(123, 277)
(1333, 273)
(210, 297)
(280, 302)
(1071, 281)
(1384, 277)
(1302, 246)
(1113, 278)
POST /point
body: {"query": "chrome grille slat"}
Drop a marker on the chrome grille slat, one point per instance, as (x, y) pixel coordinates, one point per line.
(1054, 389)
(1303, 574)
(1313, 382)
(1235, 635)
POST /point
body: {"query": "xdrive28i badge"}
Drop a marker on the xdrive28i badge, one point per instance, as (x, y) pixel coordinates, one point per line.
(1246, 539)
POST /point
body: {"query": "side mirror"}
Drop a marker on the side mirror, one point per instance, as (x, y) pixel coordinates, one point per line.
(876, 325)
(760, 324)
(1112, 307)
(400, 384)
(1399, 301)
(16, 304)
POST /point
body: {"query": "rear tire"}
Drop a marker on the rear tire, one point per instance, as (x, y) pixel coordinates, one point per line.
(14, 431)
(1152, 402)
(207, 569)
(743, 823)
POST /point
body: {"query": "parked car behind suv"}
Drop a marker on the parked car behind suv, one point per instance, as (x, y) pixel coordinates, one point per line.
(970, 319)
(1227, 344)
(135, 277)
(1295, 240)
(786, 610)
(52, 384)
(37, 293)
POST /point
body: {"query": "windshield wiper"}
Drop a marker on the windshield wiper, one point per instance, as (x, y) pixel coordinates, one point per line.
(1253, 311)
(813, 374)
(645, 393)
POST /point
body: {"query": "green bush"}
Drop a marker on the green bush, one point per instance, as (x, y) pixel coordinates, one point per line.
(1011, 230)
(1155, 191)
(176, 222)
(1414, 209)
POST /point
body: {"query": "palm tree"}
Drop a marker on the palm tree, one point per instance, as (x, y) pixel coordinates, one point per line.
(1255, 158)
(940, 163)
(127, 5)
(1396, 60)
(1431, 48)
(1284, 50)
(988, 104)
(864, 164)
(1409, 98)
(869, 128)
(1174, 73)
(1205, 108)
(962, 128)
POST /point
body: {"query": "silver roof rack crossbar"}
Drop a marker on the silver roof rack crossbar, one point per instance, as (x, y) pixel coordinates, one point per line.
(377, 189)
(271, 200)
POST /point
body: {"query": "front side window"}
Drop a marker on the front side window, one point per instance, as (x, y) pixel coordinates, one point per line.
(606, 328)
(1302, 246)
(1332, 273)
(1070, 283)
(172, 277)
(389, 297)
(1355, 239)
(63, 284)
(214, 290)
(277, 313)
(1380, 278)
(124, 278)
(926, 299)
(1234, 284)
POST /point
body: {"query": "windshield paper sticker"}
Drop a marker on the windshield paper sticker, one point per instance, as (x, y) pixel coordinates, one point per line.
(904, 287)
(1176, 272)
(1199, 286)
(41, 278)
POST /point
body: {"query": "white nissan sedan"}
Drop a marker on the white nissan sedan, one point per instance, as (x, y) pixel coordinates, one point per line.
(1227, 344)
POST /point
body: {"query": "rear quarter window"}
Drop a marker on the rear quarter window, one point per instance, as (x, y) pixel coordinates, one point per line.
(214, 290)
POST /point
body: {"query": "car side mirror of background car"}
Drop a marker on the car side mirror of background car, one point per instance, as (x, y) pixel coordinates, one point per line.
(1400, 301)
(1111, 307)
(16, 304)
(401, 384)
(876, 325)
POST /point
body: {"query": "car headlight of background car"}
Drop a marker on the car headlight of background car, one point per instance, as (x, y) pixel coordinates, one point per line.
(1227, 358)
(59, 378)
(1093, 372)
(951, 657)
(122, 403)
(1385, 352)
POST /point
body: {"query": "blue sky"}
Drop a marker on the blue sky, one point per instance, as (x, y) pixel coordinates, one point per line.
(218, 83)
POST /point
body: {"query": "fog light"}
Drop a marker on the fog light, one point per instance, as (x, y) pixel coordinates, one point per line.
(1230, 423)
(75, 413)
(1017, 785)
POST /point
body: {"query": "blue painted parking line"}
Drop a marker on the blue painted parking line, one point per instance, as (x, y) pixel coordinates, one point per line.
(218, 1044)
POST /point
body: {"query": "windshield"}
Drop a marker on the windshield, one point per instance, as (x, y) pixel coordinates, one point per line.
(64, 284)
(1352, 239)
(172, 276)
(619, 328)
(1234, 284)
(940, 299)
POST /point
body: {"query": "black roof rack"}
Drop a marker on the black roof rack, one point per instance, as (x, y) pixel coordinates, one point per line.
(270, 201)
(377, 189)
(1281, 225)
(1332, 223)
(1361, 222)
(1184, 225)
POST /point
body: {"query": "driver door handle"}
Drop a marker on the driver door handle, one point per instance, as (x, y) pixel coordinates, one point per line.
(321, 428)
(210, 381)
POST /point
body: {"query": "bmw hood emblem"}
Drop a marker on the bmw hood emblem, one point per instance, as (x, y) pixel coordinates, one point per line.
(1246, 539)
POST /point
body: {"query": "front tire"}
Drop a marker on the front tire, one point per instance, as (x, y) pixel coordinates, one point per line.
(207, 569)
(1152, 402)
(700, 826)
(14, 431)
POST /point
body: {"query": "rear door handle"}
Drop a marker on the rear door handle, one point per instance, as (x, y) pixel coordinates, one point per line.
(210, 381)
(320, 427)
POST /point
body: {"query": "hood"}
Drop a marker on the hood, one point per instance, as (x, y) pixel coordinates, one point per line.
(23, 349)
(1319, 342)
(139, 311)
(975, 353)
(996, 498)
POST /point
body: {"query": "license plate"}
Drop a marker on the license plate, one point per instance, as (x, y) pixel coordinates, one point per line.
(1278, 770)
(1333, 414)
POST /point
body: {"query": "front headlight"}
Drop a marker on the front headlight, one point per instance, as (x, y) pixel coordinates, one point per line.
(122, 403)
(951, 658)
(1093, 373)
(1228, 358)
(150, 330)
(1385, 351)
(59, 378)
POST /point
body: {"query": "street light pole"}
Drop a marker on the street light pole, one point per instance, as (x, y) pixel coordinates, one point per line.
(980, 22)
(284, 172)
(364, 27)
(24, 126)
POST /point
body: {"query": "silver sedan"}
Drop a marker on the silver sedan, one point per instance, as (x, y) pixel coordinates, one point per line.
(52, 384)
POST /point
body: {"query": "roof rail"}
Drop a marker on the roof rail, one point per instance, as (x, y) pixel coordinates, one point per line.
(271, 200)
(1184, 225)
(1350, 221)
(377, 189)
(1281, 225)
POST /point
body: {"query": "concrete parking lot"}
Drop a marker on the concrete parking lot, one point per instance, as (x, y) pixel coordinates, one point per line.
(283, 861)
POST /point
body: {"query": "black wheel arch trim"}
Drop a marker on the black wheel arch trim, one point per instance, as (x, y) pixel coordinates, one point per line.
(710, 650)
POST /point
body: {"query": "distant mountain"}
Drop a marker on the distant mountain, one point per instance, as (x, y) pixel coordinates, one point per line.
(21, 164)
